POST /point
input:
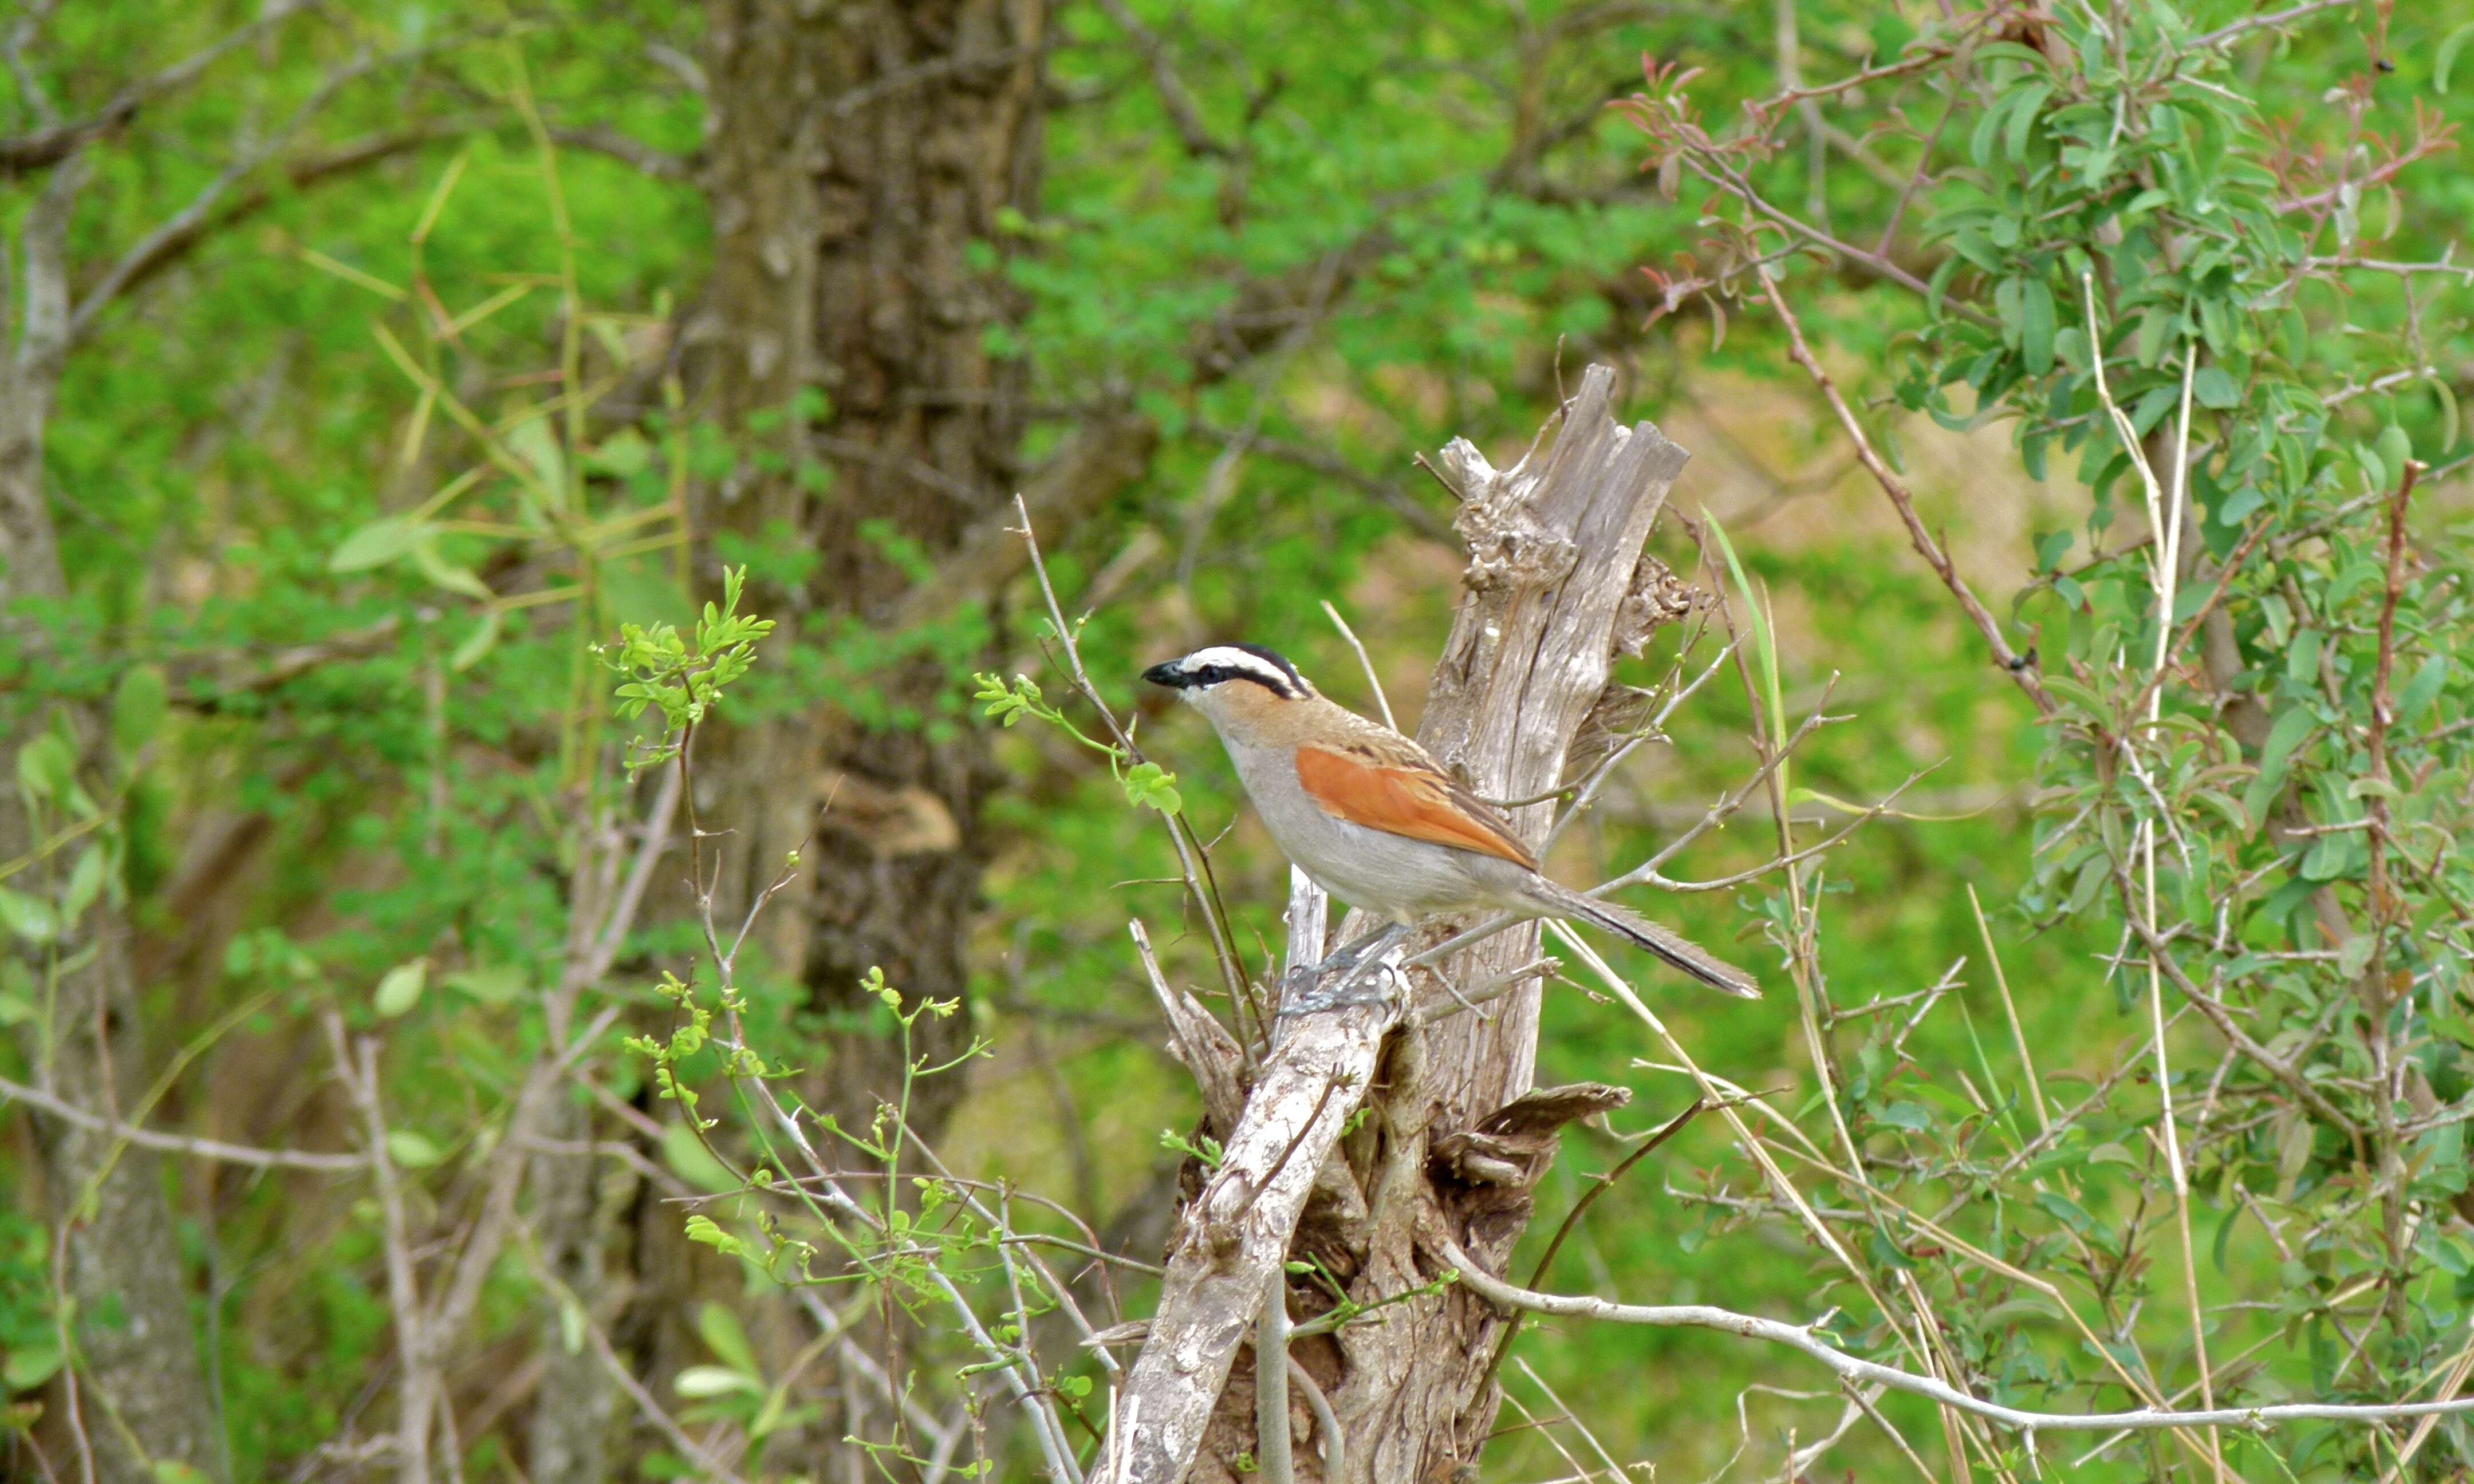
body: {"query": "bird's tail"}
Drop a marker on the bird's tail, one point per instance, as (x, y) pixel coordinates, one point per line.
(1647, 936)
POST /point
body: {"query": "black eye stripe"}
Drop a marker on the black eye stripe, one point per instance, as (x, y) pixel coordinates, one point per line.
(1221, 674)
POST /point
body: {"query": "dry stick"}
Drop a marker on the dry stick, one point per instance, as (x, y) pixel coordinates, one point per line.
(1614, 1469)
(2015, 666)
(1187, 854)
(1955, 1434)
(2384, 909)
(1812, 1155)
(624, 1375)
(1374, 681)
(1309, 910)
(2010, 1012)
(1726, 1107)
(2225, 34)
(2165, 518)
(1271, 1382)
(2457, 1371)
(1718, 814)
(1582, 1473)
(1046, 1428)
(2383, 703)
(1598, 1186)
(415, 1381)
(1801, 1337)
(1211, 1292)
(173, 1143)
(1856, 1395)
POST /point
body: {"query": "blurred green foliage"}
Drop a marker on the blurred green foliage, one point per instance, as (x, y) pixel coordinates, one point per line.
(405, 717)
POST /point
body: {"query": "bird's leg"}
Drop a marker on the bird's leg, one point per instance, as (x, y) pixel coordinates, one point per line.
(1319, 987)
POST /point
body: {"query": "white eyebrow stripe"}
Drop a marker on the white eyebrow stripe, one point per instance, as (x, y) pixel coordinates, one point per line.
(1251, 665)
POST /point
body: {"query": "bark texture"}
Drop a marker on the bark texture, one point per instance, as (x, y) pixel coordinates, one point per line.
(136, 1354)
(1557, 584)
(867, 166)
(863, 157)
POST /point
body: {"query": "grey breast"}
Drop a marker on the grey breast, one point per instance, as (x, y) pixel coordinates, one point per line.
(1366, 867)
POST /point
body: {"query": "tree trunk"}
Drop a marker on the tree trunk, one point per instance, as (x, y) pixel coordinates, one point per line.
(136, 1351)
(861, 155)
(864, 162)
(572, 1410)
(1557, 585)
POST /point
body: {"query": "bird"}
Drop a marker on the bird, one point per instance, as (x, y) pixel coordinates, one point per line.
(1376, 821)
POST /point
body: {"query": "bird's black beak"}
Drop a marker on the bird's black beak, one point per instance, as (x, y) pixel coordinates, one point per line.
(1166, 673)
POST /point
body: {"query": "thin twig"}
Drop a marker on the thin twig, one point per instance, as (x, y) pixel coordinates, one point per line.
(2020, 668)
(173, 1144)
(1801, 1338)
(1598, 1186)
(1374, 681)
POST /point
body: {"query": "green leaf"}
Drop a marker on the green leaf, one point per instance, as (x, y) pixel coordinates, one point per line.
(494, 984)
(86, 884)
(2024, 105)
(721, 1334)
(484, 638)
(701, 1229)
(30, 918)
(400, 988)
(2444, 63)
(1148, 785)
(2036, 326)
(691, 1161)
(446, 574)
(46, 768)
(2429, 680)
(2066, 1211)
(714, 1381)
(623, 454)
(2274, 754)
(2326, 860)
(377, 544)
(1915, 1117)
(534, 442)
(138, 706)
(413, 1150)
(30, 1366)
(2211, 387)
(2395, 450)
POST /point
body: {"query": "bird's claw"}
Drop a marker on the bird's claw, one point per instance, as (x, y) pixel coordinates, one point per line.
(1304, 990)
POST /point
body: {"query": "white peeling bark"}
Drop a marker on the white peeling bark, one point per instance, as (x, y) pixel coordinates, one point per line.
(1236, 1234)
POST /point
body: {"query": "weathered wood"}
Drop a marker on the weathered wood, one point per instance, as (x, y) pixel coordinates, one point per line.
(1235, 1234)
(1555, 562)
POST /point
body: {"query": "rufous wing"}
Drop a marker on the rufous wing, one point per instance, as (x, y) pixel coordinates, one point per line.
(1418, 802)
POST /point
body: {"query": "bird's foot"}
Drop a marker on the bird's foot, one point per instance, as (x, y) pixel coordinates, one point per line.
(1311, 989)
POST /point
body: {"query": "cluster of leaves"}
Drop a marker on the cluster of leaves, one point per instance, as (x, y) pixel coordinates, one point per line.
(1148, 785)
(684, 678)
(2119, 220)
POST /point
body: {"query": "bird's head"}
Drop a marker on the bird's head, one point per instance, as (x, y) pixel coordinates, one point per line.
(1225, 678)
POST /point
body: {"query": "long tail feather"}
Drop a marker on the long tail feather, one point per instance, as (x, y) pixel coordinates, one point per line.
(1647, 936)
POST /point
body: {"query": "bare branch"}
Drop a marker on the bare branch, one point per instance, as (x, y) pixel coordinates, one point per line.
(175, 1143)
(2020, 668)
(49, 146)
(1866, 1373)
(1179, 104)
(654, 164)
(174, 235)
(2284, 17)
